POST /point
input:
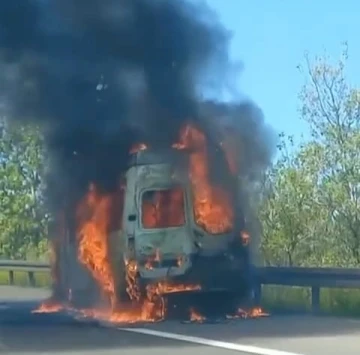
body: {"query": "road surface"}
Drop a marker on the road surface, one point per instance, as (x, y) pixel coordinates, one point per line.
(26, 333)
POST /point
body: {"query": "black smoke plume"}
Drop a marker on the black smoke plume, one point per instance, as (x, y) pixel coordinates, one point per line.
(101, 75)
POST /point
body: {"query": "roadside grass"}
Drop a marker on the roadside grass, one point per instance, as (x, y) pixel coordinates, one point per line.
(42, 279)
(341, 302)
(336, 301)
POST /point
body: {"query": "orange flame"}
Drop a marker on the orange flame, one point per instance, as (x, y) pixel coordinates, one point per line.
(150, 309)
(196, 316)
(49, 306)
(146, 311)
(212, 204)
(138, 147)
(96, 215)
(255, 312)
(131, 280)
(167, 287)
(163, 208)
(93, 215)
(245, 238)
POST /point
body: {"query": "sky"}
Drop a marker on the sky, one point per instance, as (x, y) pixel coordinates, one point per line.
(271, 37)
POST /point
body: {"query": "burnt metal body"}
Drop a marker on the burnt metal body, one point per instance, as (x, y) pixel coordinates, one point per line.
(215, 262)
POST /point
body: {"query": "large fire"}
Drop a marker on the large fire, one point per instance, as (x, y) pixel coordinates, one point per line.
(93, 218)
(212, 204)
(98, 216)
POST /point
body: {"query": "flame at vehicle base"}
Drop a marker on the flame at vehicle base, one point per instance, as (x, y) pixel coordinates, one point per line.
(147, 312)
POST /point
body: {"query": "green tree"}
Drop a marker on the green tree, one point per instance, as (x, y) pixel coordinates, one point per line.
(310, 208)
(290, 202)
(23, 219)
(331, 106)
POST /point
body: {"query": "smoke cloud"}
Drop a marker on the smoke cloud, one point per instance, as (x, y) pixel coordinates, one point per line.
(101, 75)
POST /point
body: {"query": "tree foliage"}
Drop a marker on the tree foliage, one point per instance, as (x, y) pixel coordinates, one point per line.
(311, 211)
(23, 218)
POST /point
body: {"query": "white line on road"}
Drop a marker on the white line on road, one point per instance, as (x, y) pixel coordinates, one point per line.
(255, 350)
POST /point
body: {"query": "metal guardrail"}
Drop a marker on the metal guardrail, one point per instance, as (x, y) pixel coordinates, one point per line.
(29, 267)
(315, 278)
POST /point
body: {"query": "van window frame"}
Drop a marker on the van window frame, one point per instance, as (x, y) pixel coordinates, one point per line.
(163, 188)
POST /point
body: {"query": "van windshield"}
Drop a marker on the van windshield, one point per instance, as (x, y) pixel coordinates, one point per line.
(163, 208)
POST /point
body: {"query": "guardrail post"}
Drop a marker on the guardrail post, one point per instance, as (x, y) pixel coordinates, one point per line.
(11, 277)
(31, 278)
(315, 299)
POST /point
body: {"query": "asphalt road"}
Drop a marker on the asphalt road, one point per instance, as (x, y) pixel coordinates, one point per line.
(24, 333)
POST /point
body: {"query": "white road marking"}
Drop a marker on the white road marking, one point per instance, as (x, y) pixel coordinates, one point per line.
(255, 350)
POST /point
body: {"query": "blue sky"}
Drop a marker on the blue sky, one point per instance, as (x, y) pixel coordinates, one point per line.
(270, 37)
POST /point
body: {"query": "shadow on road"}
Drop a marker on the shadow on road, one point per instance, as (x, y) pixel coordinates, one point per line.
(23, 332)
